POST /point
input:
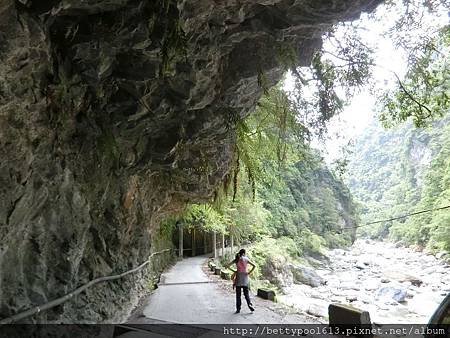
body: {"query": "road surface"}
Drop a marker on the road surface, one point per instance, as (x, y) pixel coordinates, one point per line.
(187, 295)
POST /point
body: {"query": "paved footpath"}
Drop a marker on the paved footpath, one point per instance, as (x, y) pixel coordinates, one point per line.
(189, 296)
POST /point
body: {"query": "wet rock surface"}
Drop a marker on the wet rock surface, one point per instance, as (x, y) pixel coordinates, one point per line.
(395, 284)
(114, 114)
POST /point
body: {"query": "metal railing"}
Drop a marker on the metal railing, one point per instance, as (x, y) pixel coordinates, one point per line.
(65, 298)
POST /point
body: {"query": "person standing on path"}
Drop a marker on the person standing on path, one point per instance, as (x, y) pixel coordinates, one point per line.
(241, 280)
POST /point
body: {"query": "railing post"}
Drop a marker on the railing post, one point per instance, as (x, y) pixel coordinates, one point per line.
(232, 244)
(194, 241)
(214, 245)
(205, 248)
(180, 241)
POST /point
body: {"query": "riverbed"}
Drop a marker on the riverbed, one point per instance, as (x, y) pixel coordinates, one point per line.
(395, 284)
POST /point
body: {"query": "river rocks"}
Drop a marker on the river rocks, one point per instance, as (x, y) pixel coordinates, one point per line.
(371, 284)
(391, 286)
(360, 266)
(278, 272)
(365, 298)
(441, 255)
(351, 299)
(410, 294)
(391, 293)
(323, 273)
(416, 248)
(339, 252)
(425, 303)
(306, 275)
(403, 277)
(319, 261)
(352, 285)
(317, 308)
(298, 299)
(366, 259)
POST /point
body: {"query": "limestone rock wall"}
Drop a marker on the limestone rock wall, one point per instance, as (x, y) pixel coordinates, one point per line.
(113, 114)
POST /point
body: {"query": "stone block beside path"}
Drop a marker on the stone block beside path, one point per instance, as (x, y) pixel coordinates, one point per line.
(266, 294)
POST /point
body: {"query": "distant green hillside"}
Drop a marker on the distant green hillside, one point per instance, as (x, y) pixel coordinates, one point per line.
(400, 170)
(306, 198)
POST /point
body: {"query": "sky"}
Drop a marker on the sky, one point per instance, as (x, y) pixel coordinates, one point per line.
(361, 109)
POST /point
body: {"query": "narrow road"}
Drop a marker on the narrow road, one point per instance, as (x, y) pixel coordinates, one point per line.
(187, 295)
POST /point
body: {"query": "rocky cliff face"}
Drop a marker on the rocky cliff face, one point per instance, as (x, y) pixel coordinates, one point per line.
(113, 114)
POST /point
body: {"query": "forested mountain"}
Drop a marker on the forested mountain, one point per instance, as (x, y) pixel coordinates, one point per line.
(307, 199)
(402, 170)
(406, 168)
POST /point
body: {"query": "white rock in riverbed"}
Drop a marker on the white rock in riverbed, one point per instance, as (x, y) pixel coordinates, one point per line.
(403, 277)
(425, 304)
(349, 286)
(371, 284)
(318, 308)
(391, 293)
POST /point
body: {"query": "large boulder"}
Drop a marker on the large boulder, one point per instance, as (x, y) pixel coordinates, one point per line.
(389, 293)
(400, 276)
(278, 272)
(306, 275)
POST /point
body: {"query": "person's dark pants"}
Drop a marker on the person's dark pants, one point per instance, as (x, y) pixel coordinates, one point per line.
(238, 296)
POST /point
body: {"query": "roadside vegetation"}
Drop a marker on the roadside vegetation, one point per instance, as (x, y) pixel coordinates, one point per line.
(406, 168)
(285, 203)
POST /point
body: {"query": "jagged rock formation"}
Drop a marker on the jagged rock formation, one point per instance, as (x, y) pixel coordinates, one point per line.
(115, 113)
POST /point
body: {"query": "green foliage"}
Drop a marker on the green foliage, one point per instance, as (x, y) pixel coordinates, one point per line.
(269, 248)
(108, 150)
(432, 229)
(167, 26)
(287, 55)
(298, 196)
(167, 228)
(322, 90)
(306, 198)
(403, 170)
(204, 217)
(424, 93)
(250, 220)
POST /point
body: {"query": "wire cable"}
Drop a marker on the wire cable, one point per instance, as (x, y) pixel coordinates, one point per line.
(398, 217)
